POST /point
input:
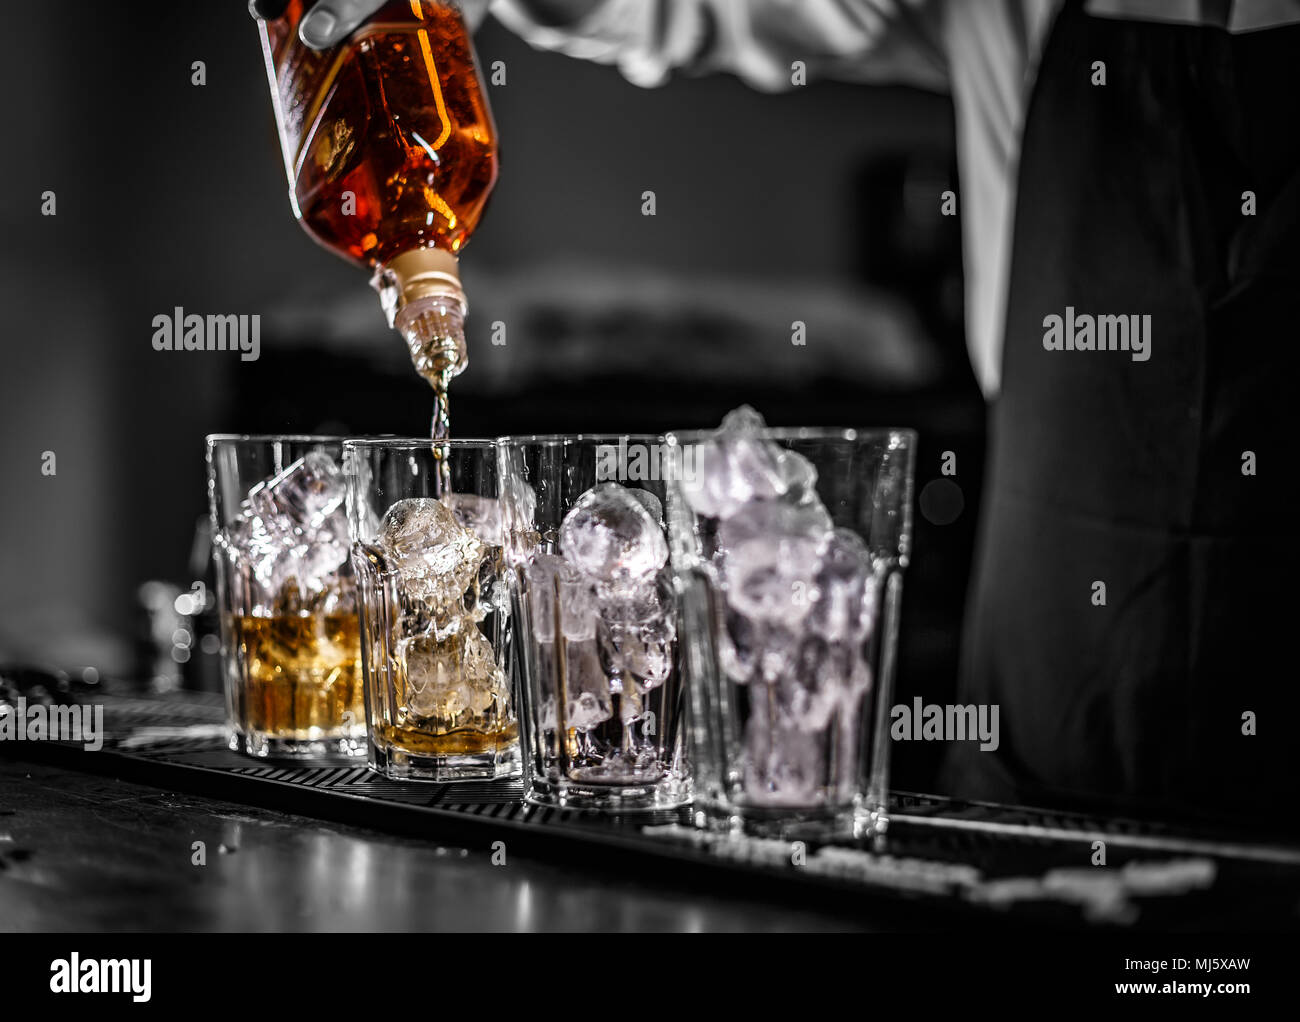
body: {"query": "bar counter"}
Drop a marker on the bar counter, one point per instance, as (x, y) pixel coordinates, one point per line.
(165, 829)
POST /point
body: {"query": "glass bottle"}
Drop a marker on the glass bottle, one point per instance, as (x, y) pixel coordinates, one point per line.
(391, 154)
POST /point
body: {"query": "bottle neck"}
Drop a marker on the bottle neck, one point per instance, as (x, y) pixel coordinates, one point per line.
(424, 301)
(434, 331)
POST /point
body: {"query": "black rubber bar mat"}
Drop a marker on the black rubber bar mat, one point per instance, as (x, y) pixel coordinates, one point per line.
(970, 861)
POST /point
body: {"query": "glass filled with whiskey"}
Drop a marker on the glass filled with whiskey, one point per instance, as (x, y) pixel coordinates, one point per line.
(291, 650)
(436, 624)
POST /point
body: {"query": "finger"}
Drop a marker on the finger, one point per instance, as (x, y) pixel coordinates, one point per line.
(268, 10)
(333, 20)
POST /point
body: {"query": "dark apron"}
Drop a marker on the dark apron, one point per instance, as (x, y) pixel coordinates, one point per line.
(1106, 469)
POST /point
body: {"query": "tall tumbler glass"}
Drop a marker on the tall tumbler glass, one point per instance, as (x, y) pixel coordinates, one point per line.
(291, 651)
(601, 693)
(789, 547)
(436, 628)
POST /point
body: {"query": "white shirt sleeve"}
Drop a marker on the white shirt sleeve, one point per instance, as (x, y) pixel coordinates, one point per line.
(758, 40)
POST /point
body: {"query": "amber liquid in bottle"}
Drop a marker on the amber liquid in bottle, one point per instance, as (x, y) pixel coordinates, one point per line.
(391, 154)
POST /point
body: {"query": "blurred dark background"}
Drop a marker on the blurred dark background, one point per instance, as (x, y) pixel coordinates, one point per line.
(820, 205)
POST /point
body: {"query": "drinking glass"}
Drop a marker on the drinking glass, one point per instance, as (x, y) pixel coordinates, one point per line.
(290, 641)
(600, 689)
(789, 547)
(436, 628)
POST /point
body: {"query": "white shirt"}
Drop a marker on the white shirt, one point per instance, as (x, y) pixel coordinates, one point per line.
(985, 52)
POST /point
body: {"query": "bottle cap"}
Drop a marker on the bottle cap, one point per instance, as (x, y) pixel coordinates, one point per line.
(419, 273)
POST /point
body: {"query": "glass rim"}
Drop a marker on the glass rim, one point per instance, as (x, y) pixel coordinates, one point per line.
(424, 443)
(522, 439)
(846, 433)
(213, 439)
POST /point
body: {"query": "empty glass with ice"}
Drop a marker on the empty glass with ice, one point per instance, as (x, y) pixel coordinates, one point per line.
(789, 547)
(601, 689)
(435, 610)
(290, 640)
